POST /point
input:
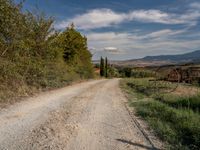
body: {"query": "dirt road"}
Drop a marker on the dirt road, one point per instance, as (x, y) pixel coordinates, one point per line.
(85, 116)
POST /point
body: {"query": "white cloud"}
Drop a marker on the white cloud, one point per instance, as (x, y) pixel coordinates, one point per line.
(98, 18)
(150, 16)
(195, 5)
(113, 50)
(92, 36)
(120, 37)
(163, 33)
(160, 33)
(110, 49)
(134, 45)
(157, 16)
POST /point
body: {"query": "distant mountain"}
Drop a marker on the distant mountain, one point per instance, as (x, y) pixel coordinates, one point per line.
(187, 57)
(192, 57)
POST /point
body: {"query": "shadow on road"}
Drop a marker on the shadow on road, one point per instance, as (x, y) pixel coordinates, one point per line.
(136, 144)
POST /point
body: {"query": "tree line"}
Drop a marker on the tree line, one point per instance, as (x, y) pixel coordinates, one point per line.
(34, 55)
(107, 70)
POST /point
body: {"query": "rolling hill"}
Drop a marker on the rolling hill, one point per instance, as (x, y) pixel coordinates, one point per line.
(187, 57)
(192, 57)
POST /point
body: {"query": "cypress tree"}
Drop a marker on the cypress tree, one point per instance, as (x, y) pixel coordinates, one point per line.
(106, 67)
(102, 67)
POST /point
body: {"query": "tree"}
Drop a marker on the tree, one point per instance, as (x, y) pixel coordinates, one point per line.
(106, 67)
(102, 67)
(75, 51)
(127, 72)
(71, 42)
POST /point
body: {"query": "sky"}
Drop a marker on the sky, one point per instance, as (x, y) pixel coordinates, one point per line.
(128, 29)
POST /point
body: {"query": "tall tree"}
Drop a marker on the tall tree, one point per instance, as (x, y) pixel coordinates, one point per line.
(102, 67)
(106, 67)
(75, 51)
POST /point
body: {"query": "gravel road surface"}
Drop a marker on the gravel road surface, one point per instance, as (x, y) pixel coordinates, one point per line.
(84, 116)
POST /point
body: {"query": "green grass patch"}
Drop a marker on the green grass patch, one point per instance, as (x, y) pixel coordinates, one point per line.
(189, 102)
(177, 126)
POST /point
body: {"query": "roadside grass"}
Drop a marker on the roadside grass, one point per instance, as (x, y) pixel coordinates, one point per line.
(147, 87)
(172, 120)
(182, 102)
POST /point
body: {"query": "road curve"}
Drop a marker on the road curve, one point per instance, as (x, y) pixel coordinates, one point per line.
(85, 116)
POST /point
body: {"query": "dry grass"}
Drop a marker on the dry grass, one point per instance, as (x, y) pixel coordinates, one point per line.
(183, 90)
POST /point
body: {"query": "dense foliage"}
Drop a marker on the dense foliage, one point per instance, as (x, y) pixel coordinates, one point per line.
(135, 72)
(33, 55)
(125, 71)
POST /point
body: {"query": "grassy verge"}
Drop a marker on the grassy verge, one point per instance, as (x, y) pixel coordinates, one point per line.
(178, 126)
(189, 102)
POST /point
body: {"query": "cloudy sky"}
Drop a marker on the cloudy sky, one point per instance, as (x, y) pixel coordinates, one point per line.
(127, 29)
